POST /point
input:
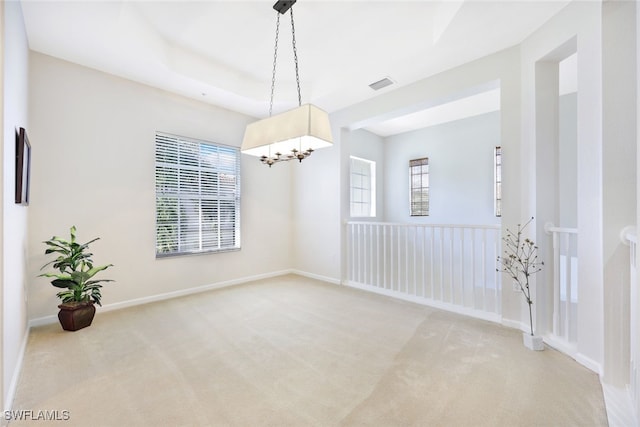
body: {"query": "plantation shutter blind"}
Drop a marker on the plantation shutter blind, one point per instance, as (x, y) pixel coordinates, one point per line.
(197, 196)
(498, 181)
(419, 182)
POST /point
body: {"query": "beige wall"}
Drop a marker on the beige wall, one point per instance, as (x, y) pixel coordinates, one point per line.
(465, 80)
(578, 26)
(619, 179)
(93, 167)
(13, 217)
(461, 186)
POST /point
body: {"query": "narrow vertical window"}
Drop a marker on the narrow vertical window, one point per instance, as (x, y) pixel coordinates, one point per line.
(498, 181)
(419, 181)
(363, 188)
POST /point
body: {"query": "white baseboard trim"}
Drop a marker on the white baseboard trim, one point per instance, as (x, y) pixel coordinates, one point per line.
(589, 363)
(569, 349)
(514, 324)
(15, 378)
(619, 406)
(40, 321)
(492, 317)
(317, 277)
(168, 295)
(191, 291)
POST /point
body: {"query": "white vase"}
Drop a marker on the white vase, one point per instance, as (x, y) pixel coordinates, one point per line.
(532, 342)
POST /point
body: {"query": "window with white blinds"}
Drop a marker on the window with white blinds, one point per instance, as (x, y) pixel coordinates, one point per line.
(363, 188)
(197, 196)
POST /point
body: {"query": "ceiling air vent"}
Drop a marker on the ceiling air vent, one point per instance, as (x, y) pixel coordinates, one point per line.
(381, 83)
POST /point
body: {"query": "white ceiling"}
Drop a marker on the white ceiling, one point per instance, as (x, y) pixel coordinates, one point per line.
(221, 52)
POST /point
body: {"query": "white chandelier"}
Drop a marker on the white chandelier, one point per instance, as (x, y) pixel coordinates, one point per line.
(293, 134)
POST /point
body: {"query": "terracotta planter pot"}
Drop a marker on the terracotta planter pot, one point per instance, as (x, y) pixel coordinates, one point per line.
(76, 315)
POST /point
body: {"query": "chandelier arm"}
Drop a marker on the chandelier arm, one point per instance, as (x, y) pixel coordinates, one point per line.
(275, 60)
(295, 55)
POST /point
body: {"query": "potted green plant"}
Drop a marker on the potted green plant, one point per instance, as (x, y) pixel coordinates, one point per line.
(520, 262)
(75, 275)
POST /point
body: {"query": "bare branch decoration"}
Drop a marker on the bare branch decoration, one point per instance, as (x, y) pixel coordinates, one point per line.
(520, 261)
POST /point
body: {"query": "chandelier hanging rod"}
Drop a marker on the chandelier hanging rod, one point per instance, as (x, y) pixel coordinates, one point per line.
(297, 132)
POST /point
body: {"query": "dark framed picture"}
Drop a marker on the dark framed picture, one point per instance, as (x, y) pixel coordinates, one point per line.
(23, 167)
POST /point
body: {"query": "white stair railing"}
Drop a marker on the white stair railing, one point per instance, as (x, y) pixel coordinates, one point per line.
(447, 266)
(565, 284)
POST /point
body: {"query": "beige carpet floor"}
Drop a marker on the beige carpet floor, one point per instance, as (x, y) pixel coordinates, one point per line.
(291, 351)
